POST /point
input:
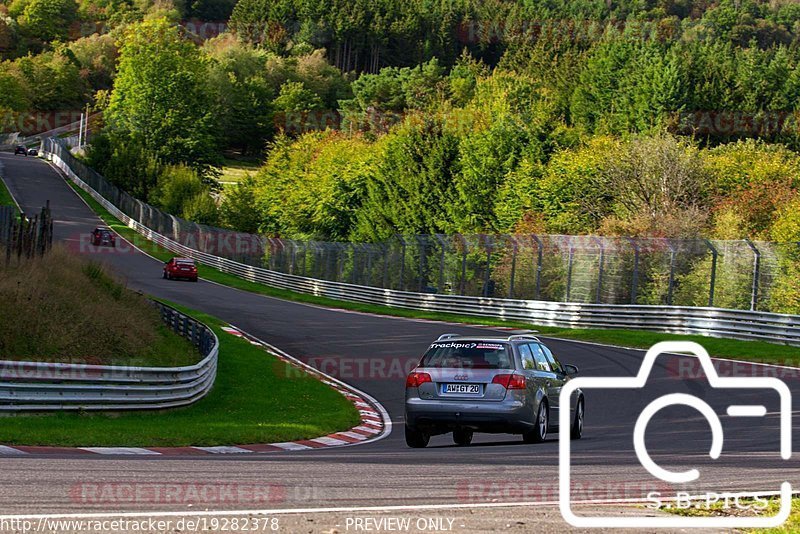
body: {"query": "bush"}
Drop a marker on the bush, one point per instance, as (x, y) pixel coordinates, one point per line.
(182, 192)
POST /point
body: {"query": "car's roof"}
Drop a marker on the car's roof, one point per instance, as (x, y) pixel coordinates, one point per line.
(184, 260)
(490, 339)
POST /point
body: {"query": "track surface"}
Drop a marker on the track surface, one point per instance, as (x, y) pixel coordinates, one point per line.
(496, 468)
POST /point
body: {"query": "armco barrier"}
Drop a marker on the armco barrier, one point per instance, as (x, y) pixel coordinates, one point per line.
(716, 322)
(40, 387)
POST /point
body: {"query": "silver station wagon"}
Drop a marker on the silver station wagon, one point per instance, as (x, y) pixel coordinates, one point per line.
(497, 385)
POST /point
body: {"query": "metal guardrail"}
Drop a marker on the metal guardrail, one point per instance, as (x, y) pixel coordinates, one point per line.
(40, 387)
(717, 322)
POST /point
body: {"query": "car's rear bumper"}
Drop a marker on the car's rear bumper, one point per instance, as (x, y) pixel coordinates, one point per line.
(507, 416)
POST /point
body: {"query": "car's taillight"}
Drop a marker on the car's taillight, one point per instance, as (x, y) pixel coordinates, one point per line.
(415, 379)
(510, 381)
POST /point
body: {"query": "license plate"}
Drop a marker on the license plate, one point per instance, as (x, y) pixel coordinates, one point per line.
(467, 389)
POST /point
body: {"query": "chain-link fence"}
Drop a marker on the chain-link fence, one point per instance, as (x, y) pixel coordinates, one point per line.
(587, 269)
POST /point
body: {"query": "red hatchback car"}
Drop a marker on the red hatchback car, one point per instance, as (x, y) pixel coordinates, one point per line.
(180, 268)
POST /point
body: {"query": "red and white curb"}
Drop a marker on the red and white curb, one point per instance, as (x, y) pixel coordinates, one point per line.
(375, 423)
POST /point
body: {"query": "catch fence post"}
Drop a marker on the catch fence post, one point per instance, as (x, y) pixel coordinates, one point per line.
(711, 289)
(635, 277)
(756, 274)
(539, 257)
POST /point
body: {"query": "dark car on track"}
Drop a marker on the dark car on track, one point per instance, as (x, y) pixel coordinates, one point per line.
(486, 384)
(177, 268)
(102, 236)
(19, 149)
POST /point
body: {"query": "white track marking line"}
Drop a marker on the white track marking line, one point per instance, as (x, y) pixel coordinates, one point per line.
(10, 451)
(399, 508)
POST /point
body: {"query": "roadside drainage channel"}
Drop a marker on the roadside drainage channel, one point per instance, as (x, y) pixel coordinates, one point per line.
(375, 424)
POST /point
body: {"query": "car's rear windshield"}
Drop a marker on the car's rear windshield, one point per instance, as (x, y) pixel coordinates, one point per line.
(185, 262)
(468, 355)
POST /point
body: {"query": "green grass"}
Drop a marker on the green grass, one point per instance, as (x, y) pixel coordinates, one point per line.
(234, 170)
(256, 399)
(728, 348)
(719, 510)
(5, 197)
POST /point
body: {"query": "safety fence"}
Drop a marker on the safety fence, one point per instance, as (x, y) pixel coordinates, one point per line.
(21, 236)
(607, 282)
(40, 387)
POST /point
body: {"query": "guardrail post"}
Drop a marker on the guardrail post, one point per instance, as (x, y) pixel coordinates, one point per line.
(714, 254)
(569, 269)
(635, 277)
(539, 257)
(756, 273)
(601, 265)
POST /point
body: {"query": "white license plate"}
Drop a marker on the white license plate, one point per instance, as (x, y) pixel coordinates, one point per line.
(468, 389)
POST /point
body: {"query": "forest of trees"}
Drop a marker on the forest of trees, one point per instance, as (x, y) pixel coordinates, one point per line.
(673, 118)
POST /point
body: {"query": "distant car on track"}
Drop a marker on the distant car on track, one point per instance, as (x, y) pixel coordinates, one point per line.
(33, 152)
(102, 236)
(180, 268)
(486, 384)
(19, 149)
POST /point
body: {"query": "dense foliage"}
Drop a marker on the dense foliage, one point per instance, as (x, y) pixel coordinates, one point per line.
(670, 118)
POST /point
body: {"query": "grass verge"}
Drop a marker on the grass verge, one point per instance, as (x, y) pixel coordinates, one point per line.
(728, 348)
(256, 399)
(63, 308)
(719, 509)
(235, 170)
(5, 197)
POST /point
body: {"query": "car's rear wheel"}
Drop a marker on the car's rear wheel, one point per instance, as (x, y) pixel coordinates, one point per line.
(577, 424)
(462, 437)
(416, 439)
(539, 432)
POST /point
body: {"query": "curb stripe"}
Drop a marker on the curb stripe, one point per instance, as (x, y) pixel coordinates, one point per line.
(291, 446)
(120, 450)
(11, 451)
(222, 450)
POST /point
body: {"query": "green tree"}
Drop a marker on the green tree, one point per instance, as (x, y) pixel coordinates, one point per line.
(48, 20)
(161, 99)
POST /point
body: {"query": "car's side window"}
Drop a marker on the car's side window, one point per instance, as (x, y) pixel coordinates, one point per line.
(526, 357)
(539, 357)
(555, 365)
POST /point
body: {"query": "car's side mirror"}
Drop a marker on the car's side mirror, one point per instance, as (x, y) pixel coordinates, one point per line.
(570, 370)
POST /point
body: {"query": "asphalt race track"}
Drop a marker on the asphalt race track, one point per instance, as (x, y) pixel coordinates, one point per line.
(348, 345)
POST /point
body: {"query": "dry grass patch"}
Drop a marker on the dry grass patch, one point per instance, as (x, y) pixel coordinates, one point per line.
(64, 308)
